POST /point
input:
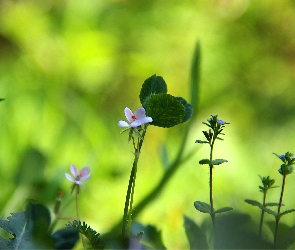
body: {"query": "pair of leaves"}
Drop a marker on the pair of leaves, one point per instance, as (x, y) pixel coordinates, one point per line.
(165, 109)
(213, 162)
(30, 231)
(269, 211)
(206, 208)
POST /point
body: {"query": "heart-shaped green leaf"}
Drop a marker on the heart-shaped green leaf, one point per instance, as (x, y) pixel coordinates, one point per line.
(165, 110)
(151, 86)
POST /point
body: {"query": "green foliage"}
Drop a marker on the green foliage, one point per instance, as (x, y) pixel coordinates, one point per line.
(151, 86)
(30, 230)
(258, 204)
(2, 99)
(211, 163)
(88, 232)
(222, 210)
(196, 237)
(148, 235)
(165, 109)
(202, 207)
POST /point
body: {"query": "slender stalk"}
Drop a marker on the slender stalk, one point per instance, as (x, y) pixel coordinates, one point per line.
(78, 217)
(211, 189)
(127, 217)
(262, 214)
(279, 211)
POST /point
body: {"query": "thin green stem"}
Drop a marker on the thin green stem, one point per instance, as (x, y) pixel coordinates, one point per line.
(279, 211)
(78, 217)
(262, 214)
(127, 217)
(211, 189)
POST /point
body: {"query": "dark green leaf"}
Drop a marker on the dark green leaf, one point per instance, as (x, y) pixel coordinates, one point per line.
(272, 204)
(65, 238)
(287, 212)
(29, 229)
(200, 141)
(196, 237)
(187, 108)
(165, 110)
(205, 161)
(88, 232)
(222, 210)
(254, 203)
(202, 207)
(151, 86)
(149, 237)
(218, 161)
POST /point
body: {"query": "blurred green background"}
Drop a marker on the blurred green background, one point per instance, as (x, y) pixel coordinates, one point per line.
(68, 69)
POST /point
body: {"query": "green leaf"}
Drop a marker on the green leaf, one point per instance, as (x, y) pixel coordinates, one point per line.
(2, 99)
(29, 229)
(257, 204)
(195, 79)
(151, 86)
(205, 161)
(254, 203)
(222, 210)
(65, 238)
(200, 141)
(187, 108)
(202, 207)
(88, 232)
(287, 212)
(165, 110)
(196, 237)
(272, 204)
(150, 237)
(218, 161)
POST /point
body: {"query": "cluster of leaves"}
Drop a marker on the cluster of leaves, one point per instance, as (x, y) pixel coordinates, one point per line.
(88, 232)
(30, 230)
(165, 109)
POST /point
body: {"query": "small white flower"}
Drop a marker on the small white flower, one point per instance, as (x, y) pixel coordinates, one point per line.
(135, 119)
(78, 177)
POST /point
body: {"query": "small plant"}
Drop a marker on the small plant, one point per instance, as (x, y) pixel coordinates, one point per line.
(216, 127)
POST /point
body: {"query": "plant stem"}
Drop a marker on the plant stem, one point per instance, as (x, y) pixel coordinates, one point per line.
(211, 189)
(262, 214)
(130, 190)
(279, 211)
(78, 217)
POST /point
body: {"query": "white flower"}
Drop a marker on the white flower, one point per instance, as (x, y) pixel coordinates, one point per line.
(135, 119)
(78, 177)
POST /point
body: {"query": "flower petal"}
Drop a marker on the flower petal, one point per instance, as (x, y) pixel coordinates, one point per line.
(84, 178)
(143, 120)
(70, 178)
(74, 170)
(128, 114)
(139, 113)
(123, 124)
(84, 171)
